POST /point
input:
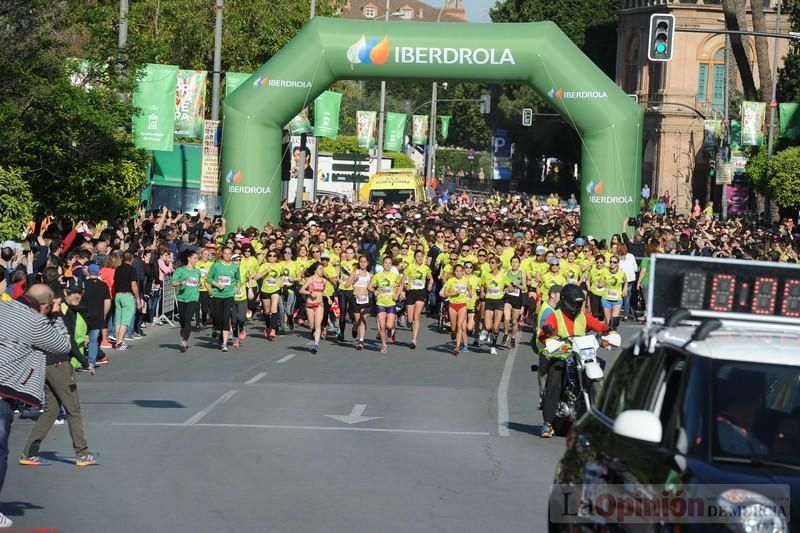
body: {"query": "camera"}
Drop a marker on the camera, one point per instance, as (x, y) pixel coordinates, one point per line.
(634, 222)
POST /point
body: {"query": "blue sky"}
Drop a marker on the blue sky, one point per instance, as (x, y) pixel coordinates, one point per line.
(477, 10)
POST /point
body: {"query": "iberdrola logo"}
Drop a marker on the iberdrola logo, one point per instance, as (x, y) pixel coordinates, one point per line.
(261, 81)
(556, 93)
(369, 52)
(595, 188)
(234, 176)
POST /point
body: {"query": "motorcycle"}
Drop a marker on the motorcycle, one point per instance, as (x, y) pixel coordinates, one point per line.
(582, 376)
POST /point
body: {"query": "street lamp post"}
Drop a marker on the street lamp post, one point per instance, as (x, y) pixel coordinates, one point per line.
(382, 108)
(217, 63)
(431, 163)
(773, 104)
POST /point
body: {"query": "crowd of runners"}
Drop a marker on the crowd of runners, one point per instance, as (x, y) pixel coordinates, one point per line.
(482, 268)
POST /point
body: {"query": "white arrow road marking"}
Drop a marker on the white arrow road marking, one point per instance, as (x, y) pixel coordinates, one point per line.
(355, 416)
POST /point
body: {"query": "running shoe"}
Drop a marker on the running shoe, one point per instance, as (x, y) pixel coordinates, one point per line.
(452, 335)
(102, 360)
(182, 346)
(224, 348)
(121, 346)
(513, 343)
(456, 351)
(505, 340)
(547, 430)
(106, 344)
(340, 338)
(384, 349)
(483, 336)
(394, 333)
(413, 345)
(359, 346)
(59, 421)
(314, 348)
(464, 349)
(249, 314)
(133, 337)
(236, 343)
(85, 460)
(214, 334)
(493, 351)
(112, 338)
(5, 521)
(273, 333)
(34, 460)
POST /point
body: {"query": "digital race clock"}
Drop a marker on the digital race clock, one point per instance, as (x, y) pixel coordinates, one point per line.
(721, 288)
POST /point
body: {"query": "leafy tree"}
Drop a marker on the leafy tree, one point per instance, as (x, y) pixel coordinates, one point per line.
(16, 204)
(784, 181)
(757, 169)
(70, 140)
(789, 74)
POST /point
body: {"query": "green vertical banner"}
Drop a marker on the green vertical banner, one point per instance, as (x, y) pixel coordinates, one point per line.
(712, 130)
(326, 114)
(154, 97)
(736, 136)
(394, 132)
(300, 123)
(790, 120)
(365, 128)
(753, 114)
(419, 129)
(190, 103)
(233, 80)
(445, 126)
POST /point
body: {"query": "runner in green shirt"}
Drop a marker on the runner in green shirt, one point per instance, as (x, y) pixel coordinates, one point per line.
(224, 280)
(186, 280)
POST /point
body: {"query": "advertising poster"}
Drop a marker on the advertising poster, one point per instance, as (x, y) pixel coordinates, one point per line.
(233, 80)
(300, 123)
(365, 128)
(445, 126)
(326, 114)
(190, 103)
(712, 130)
(790, 120)
(753, 123)
(154, 97)
(419, 129)
(738, 199)
(395, 130)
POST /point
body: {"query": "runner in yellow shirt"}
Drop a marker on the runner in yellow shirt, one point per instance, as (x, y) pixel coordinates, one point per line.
(417, 281)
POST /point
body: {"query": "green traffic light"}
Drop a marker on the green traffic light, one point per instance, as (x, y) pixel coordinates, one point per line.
(661, 48)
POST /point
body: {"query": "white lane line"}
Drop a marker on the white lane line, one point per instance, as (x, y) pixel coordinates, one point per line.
(312, 428)
(255, 379)
(286, 358)
(502, 394)
(202, 414)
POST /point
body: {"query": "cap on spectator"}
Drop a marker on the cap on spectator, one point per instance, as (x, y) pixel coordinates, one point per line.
(93, 269)
(75, 285)
(236, 256)
(579, 241)
(312, 222)
(245, 240)
(325, 255)
(554, 261)
(590, 238)
(540, 250)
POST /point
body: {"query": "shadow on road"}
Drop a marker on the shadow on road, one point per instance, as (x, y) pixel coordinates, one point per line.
(18, 508)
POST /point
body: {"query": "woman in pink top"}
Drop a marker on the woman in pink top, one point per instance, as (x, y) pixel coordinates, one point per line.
(697, 210)
(165, 266)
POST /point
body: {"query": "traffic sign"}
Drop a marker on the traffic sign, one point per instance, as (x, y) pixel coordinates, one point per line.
(349, 178)
(350, 168)
(471, 153)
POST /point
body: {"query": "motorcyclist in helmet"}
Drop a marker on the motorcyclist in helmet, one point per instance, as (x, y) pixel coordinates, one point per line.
(568, 320)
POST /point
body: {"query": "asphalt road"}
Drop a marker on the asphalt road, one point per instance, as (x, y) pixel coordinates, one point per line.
(269, 437)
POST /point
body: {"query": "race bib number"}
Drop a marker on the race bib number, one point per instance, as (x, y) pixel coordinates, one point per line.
(461, 288)
(418, 284)
(362, 299)
(493, 291)
(224, 281)
(192, 282)
(286, 281)
(271, 281)
(612, 294)
(386, 291)
(203, 271)
(362, 282)
(513, 292)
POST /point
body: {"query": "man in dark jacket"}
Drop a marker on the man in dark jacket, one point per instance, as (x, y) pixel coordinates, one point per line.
(61, 391)
(29, 329)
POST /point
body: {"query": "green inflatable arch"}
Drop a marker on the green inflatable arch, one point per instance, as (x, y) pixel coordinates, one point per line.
(539, 54)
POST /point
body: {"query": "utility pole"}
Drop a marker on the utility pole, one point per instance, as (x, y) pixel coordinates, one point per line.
(773, 104)
(299, 191)
(726, 142)
(123, 23)
(313, 9)
(429, 171)
(217, 63)
(382, 109)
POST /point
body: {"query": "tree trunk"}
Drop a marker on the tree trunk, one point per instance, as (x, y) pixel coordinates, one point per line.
(734, 11)
(762, 50)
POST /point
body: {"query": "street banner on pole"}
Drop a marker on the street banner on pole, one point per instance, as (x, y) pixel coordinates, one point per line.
(154, 97)
(300, 123)
(365, 128)
(394, 132)
(445, 126)
(753, 114)
(790, 120)
(735, 136)
(712, 130)
(209, 177)
(419, 129)
(233, 80)
(190, 103)
(326, 114)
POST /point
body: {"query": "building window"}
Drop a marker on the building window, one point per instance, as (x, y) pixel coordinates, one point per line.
(408, 13)
(632, 69)
(370, 12)
(711, 83)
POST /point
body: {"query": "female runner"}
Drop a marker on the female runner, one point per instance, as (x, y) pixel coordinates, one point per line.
(313, 289)
(417, 277)
(457, 291)
(517, 284)
(359, 279)
(386, 285)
